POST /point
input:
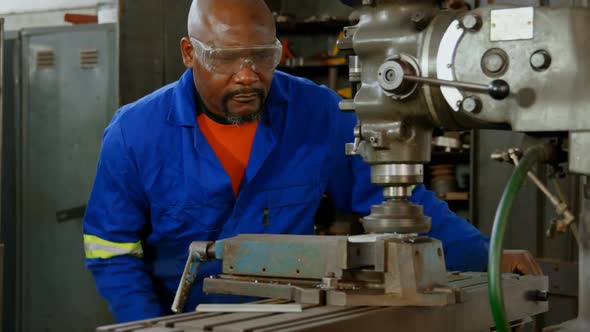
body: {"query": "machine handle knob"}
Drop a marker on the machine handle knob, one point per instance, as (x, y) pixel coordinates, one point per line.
(199, 251)
(498, 89)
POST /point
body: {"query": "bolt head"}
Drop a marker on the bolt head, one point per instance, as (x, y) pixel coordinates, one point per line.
(471, 22)
(471, 104)
(418, 16)
(493, 62)
(390, 75)
(420, 20)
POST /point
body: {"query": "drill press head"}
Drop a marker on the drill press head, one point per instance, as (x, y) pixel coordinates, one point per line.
(417, 67)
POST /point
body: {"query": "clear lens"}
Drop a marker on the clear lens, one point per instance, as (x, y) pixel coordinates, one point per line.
(230, 60)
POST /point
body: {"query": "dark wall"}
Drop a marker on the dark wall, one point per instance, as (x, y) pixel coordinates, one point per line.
(150, 32)
(149, 49)
(305, 8)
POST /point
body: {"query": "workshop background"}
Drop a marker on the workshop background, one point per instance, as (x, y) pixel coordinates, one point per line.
(69, 64)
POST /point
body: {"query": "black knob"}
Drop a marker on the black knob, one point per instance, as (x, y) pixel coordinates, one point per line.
(499, 89)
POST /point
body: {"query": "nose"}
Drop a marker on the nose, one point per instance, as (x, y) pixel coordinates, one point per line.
(246, 75)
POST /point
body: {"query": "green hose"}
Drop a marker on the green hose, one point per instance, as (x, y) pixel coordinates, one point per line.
(498, 231)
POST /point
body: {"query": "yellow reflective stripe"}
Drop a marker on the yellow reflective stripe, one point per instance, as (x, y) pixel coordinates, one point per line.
(103, 254)
(96, 247)
(412, 187)
(130, 246)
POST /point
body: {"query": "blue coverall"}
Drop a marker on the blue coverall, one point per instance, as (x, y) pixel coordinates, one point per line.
(159, 186)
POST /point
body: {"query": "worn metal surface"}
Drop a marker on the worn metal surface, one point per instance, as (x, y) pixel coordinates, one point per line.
(398, 269)
(582, 321)
(415, 269)
(65, 107)
(563, 291)
(293, 290)
(579, 158)
(285, 255)
(472, 314)
(533, 90)
(563, 276)
(250, 307)
(448, 50)
(537, 94)
(548, 94)
(396, 216)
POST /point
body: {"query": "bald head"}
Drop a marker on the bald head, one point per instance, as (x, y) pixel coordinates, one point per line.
(237, 96)
(231, 22)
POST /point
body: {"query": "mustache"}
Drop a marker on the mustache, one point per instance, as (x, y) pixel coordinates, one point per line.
(258, 92)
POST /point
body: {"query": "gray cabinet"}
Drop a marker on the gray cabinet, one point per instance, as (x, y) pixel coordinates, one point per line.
(65, 83)
(10, 98)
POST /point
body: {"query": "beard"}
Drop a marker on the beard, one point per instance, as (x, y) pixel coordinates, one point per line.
(235, 118)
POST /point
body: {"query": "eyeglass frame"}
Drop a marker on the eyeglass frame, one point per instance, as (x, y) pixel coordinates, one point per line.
(204, 48)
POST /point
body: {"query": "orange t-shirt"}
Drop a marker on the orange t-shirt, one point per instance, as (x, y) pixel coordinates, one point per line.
(231, 144)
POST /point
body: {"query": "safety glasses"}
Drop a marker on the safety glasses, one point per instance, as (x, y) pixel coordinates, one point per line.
(230, 60)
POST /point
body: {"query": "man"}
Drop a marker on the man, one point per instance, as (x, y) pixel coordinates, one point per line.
(232, 147)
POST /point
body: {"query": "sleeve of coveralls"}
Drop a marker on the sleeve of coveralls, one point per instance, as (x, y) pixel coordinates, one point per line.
(115, 216)
(350, 187)
(465, 248)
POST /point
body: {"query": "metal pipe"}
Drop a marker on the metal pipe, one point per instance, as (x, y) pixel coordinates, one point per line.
(497, 89)
(554, 200)
(560, 205)
(456, 84)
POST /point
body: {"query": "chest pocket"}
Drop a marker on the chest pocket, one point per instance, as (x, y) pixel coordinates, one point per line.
(290, 210)
(293, 195)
